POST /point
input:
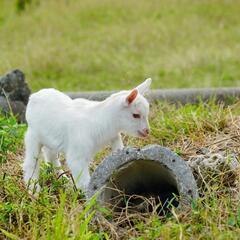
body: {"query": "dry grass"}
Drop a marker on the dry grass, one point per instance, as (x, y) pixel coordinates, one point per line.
(59, 212)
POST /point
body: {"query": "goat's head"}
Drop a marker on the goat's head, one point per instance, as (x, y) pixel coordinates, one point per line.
(134, 110)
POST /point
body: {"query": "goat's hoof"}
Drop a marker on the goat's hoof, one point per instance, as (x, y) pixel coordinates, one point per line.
(33, 190)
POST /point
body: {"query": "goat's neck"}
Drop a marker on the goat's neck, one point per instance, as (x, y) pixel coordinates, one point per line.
(106, 123)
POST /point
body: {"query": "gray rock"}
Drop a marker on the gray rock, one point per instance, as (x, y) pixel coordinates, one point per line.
(17, 108)
(151, 172)
(14, 94)
(14, 87)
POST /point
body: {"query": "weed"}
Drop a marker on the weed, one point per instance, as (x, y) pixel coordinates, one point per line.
(11, 134)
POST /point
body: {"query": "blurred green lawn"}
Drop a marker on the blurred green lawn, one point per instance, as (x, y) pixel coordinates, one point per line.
(103, 44)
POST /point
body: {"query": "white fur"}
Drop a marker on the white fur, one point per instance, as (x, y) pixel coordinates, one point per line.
(79, 128)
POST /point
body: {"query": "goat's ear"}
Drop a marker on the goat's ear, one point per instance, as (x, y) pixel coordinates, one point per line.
(145, 86)
(131, 97)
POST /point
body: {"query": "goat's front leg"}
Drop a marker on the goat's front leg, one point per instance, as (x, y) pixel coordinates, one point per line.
(78, 164)
(51, 156)
(117, 143)
(31, 165)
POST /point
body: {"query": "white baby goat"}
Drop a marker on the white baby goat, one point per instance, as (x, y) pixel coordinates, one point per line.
(79, 128)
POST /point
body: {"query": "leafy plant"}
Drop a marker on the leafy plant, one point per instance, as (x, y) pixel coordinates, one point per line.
(11, 134)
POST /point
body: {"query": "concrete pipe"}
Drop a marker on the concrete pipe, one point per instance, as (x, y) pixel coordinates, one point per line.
(183, 96)
(135, 177)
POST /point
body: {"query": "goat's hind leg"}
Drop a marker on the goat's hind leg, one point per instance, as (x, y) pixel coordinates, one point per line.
(51, 156)
(31, 163)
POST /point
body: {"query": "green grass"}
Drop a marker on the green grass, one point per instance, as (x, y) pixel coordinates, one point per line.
(61, 213)
(11, 135)
(92, 45)
(170, 123)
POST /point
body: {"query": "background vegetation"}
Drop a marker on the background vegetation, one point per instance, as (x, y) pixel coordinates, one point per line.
(90, 45)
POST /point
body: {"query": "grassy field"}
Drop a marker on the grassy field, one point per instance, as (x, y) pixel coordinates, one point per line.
(101, 45)
(60, 212)
(91, 45)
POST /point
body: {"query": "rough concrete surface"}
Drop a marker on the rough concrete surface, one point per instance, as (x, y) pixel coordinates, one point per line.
(188, 95)
(157, 167)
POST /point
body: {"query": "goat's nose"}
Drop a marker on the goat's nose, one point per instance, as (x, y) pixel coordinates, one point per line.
(146, 130)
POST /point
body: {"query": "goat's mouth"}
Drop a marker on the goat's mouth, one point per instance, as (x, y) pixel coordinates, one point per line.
(142, 134)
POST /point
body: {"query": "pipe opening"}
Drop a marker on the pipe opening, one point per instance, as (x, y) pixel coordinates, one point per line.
(142, 186)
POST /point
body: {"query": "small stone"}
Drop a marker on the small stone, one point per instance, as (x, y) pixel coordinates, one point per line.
(14, 94)
(14, 87)
(17, 108)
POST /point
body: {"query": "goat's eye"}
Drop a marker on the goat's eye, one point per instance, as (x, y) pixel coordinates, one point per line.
(136, 115)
